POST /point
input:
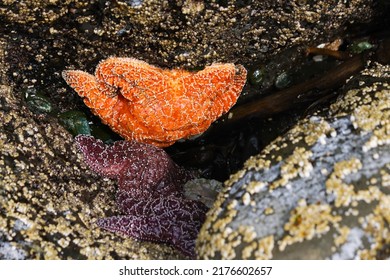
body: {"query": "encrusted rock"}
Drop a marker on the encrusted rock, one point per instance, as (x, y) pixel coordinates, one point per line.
(322, 191)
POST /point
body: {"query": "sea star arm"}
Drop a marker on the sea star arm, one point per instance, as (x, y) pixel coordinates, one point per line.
(135, 80)
(96, 95)
(224, 83)
(103, 159)
(182, 236)
(141, 90)
(171, 220)
(141, 169)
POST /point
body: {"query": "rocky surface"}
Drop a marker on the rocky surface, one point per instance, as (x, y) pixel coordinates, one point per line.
(184, 32)
(322, 191)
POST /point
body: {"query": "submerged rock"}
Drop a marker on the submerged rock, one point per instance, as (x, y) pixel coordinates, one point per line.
(322, 191)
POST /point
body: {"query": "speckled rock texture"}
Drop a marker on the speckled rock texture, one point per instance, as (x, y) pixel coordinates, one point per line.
(185, 32)
(322, 191)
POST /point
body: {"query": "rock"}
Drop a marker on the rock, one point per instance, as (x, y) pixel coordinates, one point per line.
(180, 33)
(322, 191)
(203, 190)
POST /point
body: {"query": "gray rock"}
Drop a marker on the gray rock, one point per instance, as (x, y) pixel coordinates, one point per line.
(203, 190)
(322, 191)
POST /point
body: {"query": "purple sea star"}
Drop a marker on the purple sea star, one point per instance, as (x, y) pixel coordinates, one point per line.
(150, 192)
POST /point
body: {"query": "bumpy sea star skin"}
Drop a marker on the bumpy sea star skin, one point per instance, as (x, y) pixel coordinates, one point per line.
(150, 192)
(141, 169)
(169, 219)
(152, 105)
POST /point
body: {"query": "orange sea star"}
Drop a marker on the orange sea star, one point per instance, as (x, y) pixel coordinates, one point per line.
(157, 106)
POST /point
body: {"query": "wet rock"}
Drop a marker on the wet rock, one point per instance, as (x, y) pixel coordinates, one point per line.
(322, 191)
(203, 190)
(188, 32)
